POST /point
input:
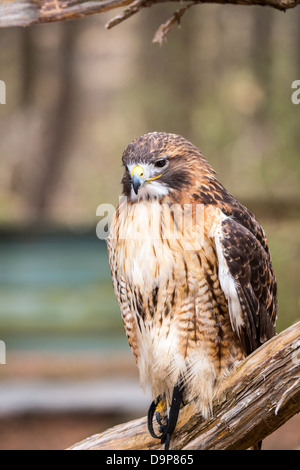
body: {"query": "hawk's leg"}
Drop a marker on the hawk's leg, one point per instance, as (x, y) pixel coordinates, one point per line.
(166, 424)
(160, 415)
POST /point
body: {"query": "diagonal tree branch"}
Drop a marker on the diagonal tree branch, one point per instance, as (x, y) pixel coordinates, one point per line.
(29, 12)
(259, 395)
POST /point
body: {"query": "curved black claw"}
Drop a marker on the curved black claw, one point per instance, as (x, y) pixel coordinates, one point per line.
(151, 411)
(166, 429)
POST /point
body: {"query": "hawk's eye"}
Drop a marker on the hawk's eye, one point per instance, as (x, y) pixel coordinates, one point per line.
(161, 163)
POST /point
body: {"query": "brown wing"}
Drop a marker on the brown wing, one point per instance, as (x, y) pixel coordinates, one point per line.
(249, 264)
(244, 246)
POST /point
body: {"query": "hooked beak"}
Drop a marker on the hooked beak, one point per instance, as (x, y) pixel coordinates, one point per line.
(137, 178)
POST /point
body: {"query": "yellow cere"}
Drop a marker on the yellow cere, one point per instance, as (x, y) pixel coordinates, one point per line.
(138, 170)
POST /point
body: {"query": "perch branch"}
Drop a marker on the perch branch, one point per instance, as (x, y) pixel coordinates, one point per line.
(259, 395)
(29, 12)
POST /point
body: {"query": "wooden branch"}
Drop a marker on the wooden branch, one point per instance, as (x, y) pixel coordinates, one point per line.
(29, 12)
(259, 395)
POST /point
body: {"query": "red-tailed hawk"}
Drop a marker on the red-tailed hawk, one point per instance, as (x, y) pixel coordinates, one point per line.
(192, 273)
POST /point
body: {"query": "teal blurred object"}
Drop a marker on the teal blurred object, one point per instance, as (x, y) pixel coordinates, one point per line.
(56, 293)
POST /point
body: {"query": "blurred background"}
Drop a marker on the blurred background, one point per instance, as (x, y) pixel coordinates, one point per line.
(77, 94)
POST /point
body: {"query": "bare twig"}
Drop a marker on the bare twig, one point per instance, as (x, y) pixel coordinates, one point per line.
(164, 28)
(131, 10)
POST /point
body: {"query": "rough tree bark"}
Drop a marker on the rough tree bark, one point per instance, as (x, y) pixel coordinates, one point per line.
(259, 395)
(29, 12)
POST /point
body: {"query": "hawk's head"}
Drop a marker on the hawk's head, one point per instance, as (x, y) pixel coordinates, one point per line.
(158, 163)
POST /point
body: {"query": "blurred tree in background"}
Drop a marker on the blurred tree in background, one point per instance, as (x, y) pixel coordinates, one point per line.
(77, 94)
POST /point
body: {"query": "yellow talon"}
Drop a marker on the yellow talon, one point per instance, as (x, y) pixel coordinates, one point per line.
(160, 413)
(161, 407)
